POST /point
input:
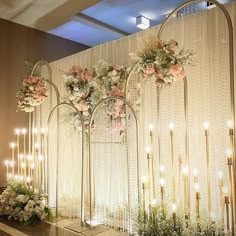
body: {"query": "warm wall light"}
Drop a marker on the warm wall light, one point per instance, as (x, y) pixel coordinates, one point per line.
(142, 22)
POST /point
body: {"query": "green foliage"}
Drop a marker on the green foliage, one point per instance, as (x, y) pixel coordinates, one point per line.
(160, 222)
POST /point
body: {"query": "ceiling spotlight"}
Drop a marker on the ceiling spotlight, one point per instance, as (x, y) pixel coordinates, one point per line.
(142, 22)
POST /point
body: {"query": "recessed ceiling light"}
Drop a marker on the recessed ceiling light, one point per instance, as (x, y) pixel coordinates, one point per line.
(142, 22)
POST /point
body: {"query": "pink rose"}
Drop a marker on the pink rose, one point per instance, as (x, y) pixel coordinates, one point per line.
(181, 75)
(116, 92)
(175, 69)
(149, 69)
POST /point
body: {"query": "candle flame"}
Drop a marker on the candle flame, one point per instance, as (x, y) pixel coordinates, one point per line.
(174, 207)
(229, 152)
(162, 181)
(23, 165)
(197, 187)
(12, 145)
(144, 179)
(32, 165)
(230, 124)
(206, 125)
(148, 149)
(6, 162)
(28, 179)
(225, 191)
(171, 126)
(21, 156)
(17, 131)
(220, 174)
(154, 202)
(185, 170)
(23, 131)
(195, 172)
(162, 168)
(35, 130)
(151, 127)
(43, 130)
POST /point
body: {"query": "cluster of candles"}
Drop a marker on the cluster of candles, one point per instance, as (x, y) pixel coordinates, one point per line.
(27, 163)
(227, 195)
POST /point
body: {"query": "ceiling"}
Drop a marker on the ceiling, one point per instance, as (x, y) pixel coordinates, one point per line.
(90, 22)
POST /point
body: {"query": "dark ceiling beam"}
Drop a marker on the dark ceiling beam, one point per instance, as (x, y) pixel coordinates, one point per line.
(101, 24)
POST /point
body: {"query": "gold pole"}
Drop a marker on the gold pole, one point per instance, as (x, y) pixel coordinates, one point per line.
(222, 205)
(227, 213)
(172, 162)
(208, 166)
(198, 205)
(230, 163)
(154, 193)
(185, 176)
(149, 175)
(231, 140)
(162, 183)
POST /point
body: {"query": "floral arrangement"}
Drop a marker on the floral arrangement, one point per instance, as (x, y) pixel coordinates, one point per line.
(85, 89)
(79, 89)
(162, 223)
(33, 91)
(158, 59)
(18, 202)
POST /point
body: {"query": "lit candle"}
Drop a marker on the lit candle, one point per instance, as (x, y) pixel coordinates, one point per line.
(197, 189)
(221, 185)
(206, 126)
(7, 164)
(162, 183)
(162, 171)
(23, 131)
(144, 187)
(17, 132)
(23, 165)
(195, 175)
(149, 173)
(171, 126)
(21, 157)
(12, 145)
(29, 159)
(225, 190)
(154, 194)
(185, 177)
(28, 179)
(174, 208)
(231, 182)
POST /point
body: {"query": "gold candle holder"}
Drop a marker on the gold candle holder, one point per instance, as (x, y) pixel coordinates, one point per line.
(197, 200)
(227, 213)
(162, 183)
(206, 126)
(222, 204)
(144, 187)
(171, 126)
(230, 164)
(174, 208)
(185, 179)
(6, 162)
(13, 145)
(154, 192)
(231, 140)
(149, 173)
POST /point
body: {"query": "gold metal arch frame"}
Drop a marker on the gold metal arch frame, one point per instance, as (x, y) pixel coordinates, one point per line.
(57, 161)
(89, 151)
(232, 92)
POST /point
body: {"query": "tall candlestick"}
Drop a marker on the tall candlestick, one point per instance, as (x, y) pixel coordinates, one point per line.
(13, 156)
(24, 169)
(197, 200)
(17, 132)
(171, 126)
(21, 157)
(7, 164)
(206, 126)
(180, 176)
(162, 183)
(144, 187)
(23, 131)
(174, 208)
(149, 173)
(222, 204)
(231, 140)
(230, 163)
(185, 177)
(153, 162)
(226, 198)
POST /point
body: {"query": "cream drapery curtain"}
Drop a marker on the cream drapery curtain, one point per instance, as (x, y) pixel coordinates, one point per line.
(208, 87)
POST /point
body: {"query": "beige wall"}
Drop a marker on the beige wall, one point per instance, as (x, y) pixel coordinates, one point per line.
(17, 44)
